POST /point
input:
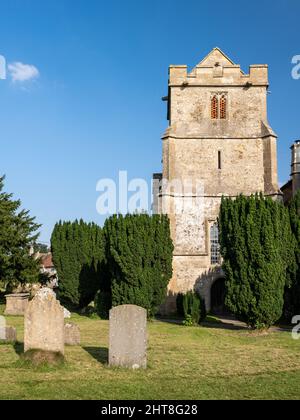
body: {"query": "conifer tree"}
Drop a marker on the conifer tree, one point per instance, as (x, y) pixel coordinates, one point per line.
(78, 255)
(257, 246)
(18, 232)
(292, 296)
(139, 253)
(191, 307)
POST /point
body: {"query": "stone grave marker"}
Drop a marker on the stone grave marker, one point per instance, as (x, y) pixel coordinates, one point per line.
(44, 323)
(7, 334)
(16, 304)
(72, 334)
(128, 337)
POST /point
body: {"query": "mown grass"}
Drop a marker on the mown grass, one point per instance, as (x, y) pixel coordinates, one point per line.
(183, 363)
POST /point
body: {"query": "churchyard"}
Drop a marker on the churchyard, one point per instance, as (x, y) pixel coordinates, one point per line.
(113, 346)
(204, 362)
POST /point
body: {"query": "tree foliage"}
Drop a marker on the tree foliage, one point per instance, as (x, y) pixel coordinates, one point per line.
(78, 255)
(40, 248)
(292, 296)
(258, 248)
(18, 231)
(191, 307)
(139, 253)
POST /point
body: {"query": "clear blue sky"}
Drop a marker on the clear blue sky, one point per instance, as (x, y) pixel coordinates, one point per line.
(96, 106)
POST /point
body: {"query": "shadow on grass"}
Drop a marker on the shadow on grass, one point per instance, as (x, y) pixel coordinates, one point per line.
(2, 298)
(169, 319)
(226, 322)
(19, 348)
(98, 353)
(223, 326)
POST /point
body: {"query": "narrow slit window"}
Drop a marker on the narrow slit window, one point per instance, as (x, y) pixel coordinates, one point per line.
(214, 107)
(219, 160)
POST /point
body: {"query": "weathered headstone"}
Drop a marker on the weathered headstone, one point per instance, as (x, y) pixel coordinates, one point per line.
(44, 323)
(128, 337)
(72, 334)
(11, 334)
(7, 334)
(2, 328)
(16, 304)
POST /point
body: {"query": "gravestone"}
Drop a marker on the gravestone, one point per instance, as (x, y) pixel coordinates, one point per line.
(7, 334)
(128, 337)
(16, 304)
(44, 323)
(72, 334)
(2, 328)
(10, 334)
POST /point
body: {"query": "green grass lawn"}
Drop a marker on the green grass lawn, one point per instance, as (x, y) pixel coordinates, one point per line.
(184, 363)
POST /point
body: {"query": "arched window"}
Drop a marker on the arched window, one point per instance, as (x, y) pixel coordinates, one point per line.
(223, 107)
(215, 256)
(214, 107)
(219, 106)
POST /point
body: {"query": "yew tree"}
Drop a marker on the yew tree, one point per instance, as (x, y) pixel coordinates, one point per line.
(258, 250)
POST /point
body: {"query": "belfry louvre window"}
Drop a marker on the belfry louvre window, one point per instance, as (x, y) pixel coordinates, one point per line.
(223, 107)
(219, 106)
(215, 256)
(214, 107)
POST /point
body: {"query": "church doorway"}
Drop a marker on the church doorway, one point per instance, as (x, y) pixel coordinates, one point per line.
(218, 294)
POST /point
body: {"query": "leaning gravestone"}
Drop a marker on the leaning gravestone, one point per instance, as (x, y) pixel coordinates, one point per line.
(128, 337)
(44, 323)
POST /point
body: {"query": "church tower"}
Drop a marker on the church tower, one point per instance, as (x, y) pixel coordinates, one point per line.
(219, 138)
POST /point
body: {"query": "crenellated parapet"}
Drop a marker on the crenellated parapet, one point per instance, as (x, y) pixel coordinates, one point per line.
(218, 70)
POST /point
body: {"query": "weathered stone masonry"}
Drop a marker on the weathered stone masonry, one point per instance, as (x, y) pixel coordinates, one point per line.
(231, 149)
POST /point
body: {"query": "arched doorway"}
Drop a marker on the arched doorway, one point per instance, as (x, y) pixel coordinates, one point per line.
(218, 294)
